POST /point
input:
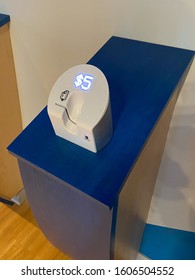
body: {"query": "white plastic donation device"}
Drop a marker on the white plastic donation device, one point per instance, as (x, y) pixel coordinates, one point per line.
(79, 107)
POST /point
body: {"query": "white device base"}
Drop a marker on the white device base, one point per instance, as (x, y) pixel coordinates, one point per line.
(79, 107)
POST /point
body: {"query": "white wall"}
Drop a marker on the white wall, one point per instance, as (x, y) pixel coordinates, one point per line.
(49, 36)
(160, 21)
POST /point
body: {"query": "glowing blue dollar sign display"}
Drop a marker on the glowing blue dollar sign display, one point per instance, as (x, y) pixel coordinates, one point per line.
(84, 82)
(79, 80)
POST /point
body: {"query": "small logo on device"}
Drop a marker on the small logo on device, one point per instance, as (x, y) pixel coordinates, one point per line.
(64, 95)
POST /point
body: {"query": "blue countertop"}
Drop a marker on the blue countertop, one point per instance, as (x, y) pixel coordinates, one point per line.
(142, 78)
(4, 19)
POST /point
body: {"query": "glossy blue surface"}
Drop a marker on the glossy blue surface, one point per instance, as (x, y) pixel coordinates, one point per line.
(162, 243)
(142, 78)
(4, 19)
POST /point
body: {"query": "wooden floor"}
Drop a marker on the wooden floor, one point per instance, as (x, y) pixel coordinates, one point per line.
(21, 238)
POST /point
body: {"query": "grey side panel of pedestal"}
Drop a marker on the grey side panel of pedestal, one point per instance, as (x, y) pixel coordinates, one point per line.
(77, 224)
(135, 197)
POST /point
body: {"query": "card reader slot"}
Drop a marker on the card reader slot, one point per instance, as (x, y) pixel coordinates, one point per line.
(65, 111)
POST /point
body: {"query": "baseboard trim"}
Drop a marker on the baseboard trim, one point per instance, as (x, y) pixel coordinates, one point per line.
(6, 201)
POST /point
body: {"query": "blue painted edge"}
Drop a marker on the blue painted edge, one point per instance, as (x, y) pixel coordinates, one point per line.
(163, 243)
(4, 19)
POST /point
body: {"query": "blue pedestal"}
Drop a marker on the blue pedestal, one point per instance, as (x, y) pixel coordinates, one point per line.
(76, 195)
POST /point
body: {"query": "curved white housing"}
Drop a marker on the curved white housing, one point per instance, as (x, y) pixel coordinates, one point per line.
(79, 107)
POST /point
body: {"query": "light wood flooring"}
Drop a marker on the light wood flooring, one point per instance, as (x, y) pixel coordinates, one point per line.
(21, 238)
